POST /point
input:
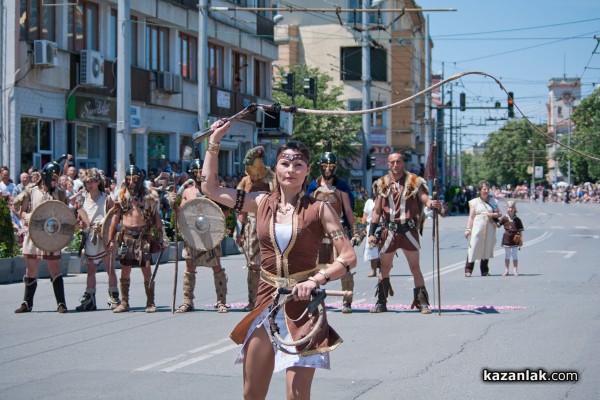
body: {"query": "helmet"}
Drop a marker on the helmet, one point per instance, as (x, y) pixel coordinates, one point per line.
(52, 171)
(254, 161)
(133, 172)
(328, 158)
(195, 166)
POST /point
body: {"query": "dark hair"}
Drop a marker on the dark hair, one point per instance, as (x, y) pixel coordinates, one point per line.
(296, 146)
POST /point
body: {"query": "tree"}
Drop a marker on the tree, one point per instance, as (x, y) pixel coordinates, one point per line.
(584, 138)
(315, 130)
(509, 155)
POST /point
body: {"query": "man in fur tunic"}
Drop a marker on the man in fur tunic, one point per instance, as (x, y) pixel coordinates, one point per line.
(45, 189)
(136, 209)
(400, 200)
(258, 178)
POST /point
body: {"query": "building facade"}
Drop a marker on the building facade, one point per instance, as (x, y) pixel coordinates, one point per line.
(332, 42)
(59, 81)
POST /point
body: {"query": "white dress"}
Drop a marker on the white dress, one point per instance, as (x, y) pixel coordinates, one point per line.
(483, 234)
(369, 253)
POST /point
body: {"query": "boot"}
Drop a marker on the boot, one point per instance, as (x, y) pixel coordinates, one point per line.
(27, 304)
(149, 287)
(88, 301)
(113, 298)
(59, 292)
(221, 289)
(189, 283)
(124, 306)
(485, 269)
(347, 285)
(253, 279)
(383, 289)
(421, 300)
(469, 268)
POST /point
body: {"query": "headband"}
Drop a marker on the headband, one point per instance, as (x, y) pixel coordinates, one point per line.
(292, 157)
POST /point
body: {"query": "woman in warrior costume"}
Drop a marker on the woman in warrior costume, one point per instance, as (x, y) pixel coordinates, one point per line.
(290, 227)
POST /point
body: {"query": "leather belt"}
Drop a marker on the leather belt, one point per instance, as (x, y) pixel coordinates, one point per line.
(400, 228)
(287, 282)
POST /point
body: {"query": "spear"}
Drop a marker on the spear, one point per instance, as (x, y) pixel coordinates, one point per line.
(431, 174)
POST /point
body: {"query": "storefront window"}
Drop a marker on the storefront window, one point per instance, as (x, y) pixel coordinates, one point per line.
(36, 142)
(158, 151)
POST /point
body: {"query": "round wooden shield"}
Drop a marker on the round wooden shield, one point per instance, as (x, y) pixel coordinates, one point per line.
(52, 225)
(106, 225)
(201, 223)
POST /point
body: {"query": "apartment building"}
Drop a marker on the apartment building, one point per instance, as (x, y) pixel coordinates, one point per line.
(59, 80)
(398, 44)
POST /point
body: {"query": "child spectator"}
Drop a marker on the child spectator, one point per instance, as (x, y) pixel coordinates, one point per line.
(512, 239)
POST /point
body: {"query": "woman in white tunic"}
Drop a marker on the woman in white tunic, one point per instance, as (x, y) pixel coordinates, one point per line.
(481, 229)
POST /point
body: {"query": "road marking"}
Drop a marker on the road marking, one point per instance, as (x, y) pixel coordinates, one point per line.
(567, 253)
(182, 355)
(461, 264)
(588, 236)
(200, 358)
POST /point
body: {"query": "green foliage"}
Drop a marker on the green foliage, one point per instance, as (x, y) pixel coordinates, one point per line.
(75, 243)
(359, 205)
(585, 138)
(315, 130)
(8, 243)
(230, 223)
(508, 155)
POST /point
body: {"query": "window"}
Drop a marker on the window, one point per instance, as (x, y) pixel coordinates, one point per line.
(357, 17)
(260, 78)
(188, 46)
(37, 139)
(351, 69)
(215, 65)
(38, 18)
(377, 119)
(157, 48)
(240, 72)
(158, 150)
(82, 31)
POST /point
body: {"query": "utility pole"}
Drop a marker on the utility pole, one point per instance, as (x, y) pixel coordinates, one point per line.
(451, 163)
(203, 97)
(366, 95)
(428, 131)
(123, 136)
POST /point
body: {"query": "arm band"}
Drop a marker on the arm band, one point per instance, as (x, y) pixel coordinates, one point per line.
(327, 278)
(344, 263)
(372, 229)
(239, 201)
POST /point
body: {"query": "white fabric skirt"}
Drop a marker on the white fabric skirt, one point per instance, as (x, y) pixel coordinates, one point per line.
(284, 360)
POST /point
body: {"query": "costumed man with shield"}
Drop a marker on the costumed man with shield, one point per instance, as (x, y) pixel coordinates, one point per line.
(92, 212)
(202, 225)
(334, 190)
(51, 225)
(136, 209)
(258, 178)
(400, 200)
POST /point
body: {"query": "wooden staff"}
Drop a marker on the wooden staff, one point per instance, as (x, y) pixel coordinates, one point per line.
(176, 234)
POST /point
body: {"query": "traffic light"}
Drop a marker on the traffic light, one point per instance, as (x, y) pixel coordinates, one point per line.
(511, 105)
(309, 86)
(288, 81)
(371, 160)
(463, 102)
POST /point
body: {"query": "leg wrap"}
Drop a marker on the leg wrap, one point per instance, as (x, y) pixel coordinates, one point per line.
(348, 285)
(383, 290)
(30, 287)
(221, 290)
(189, 284)
(485, 269)
(253, 280)
(149, 287)
(124, 306)
(421, 300)
(469, 267)
(113, 297)
(59, 292)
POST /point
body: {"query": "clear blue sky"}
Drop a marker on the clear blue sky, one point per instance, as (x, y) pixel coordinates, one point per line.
(523, 43)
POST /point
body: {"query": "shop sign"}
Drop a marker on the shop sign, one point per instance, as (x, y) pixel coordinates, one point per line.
(92, 109)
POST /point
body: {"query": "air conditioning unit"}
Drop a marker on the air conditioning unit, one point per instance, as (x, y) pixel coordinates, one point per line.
(164, 81)
(45, 53)
(177, 83)
(91, 68)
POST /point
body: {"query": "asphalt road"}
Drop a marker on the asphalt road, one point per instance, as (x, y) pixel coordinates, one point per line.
(547, 318)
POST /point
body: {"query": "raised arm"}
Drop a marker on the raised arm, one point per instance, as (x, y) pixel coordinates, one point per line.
(233, 198)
